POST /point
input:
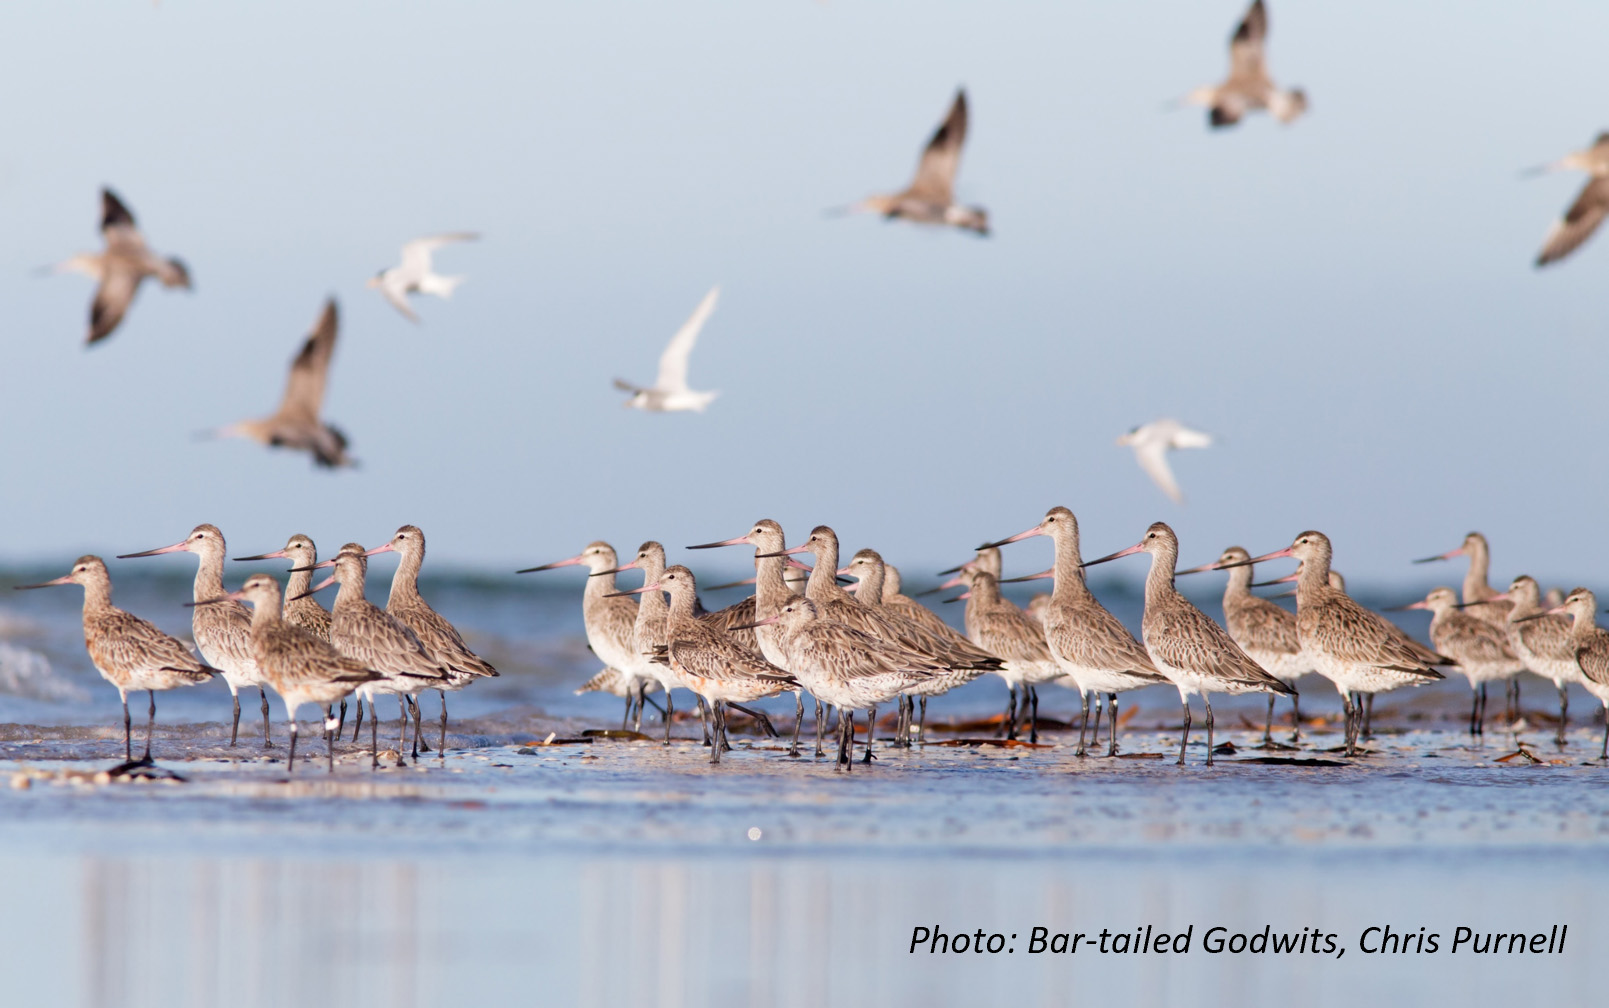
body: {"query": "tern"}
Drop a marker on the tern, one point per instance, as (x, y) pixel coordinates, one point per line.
(414, 274)
(670, 393)
(1152, 442)
(120, 268)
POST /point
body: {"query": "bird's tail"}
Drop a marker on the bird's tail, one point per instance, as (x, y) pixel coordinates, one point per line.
(441, 286)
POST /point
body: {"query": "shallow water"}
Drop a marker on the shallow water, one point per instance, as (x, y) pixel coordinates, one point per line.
(615, 871)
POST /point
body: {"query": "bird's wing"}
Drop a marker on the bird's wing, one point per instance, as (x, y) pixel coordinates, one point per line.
(1470, 638)
(394, 293)
(1189, 640)
(113, 212)
(120, 280)
(1184, 437)
(1578, 223)
(1246, 44)
(416, 254)
(673, 362)
(935, 173)
(304, 390)
(1153, 458)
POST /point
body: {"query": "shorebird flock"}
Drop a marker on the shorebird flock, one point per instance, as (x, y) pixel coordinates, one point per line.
(852, 646)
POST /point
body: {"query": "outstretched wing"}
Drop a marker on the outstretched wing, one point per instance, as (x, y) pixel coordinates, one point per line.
(1246, 44)
(416, 254)
(1578, 223)
(120, 280)
(673, 362)
(935, 173)
(304, 391)
(1152, 454)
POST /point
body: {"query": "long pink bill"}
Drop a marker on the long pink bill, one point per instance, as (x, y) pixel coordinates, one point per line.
(741, 540)
(1287, 551)
(1025, 577)
(634, 591)
(1442, 556)
(63, 580)
(1136, 548)
(572, 562)
(177, 547)
(276, 555)
(1019, 537)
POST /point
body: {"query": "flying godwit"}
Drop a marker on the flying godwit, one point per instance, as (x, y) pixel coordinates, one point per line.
(846, 668)
(930, 199)
(708, 660)
(222, 632)
(1587, 212)
(1152, 442)
(1357, 650)
(1088, 643)
(128, 652)
(1480, 649)
(1248, 85)
(296, 424)
(301, 667)
(120, 268)
(441, 639)
(1265, 631)
(364, 632)
(1591, 645)
(609, 619)
(669, 392)
(414, 274)
(1184, 645)
(1543, 642)
(873, 578)
(1480, 598)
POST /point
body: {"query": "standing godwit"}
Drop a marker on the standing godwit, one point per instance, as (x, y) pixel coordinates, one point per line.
(1248, 85)
(1004, 631)
(1184, 645)
(888, 625)
(669, 392)
(415, 275)
(1590, 207)
(608, 618)
(1088, 643)
(648, 630)
(1480, 598)
(120, 268)
(441, 639)
(708, 660)
(616, 683)
(1591, 645)
(772, 588)
(301, 667)
(1357, 650)
(1265, 631)
(222, 632)
(128, 652)
(300, 608)
(1152, 442)
(873, 577)
(1543, 642)
(1480, 649)
(846, 668)
(374, 638)
(296, 424)
(930, 198)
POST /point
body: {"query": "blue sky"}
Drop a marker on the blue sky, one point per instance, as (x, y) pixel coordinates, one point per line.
(1347, 303)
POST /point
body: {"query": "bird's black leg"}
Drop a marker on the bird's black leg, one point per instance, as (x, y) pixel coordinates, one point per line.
(1111, 729)
(150, 725)
(1206, 698)
(1184, 740)
(358, 717)
(268, 740)
(871, 730)
(234, 727)
(1083, 722)
(1564, 714)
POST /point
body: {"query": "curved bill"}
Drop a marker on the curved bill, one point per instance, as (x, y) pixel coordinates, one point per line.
(1442, 556)
(1019, 537)
(954, 582)
(758, 623)
(1421, 604)
(387, 548)
(1136, 548)
(731, 584)
(634, 591)
(231, 597)
(1546, 612)
(316, 588)
(64, 579)
(1027, 577)
(1292, 576)
(616, 570)
(318, 566)
(741, 540)
(175, 548)
(1213, 565)
(803, 547)
(276, 555)
(953, 570)
(1287, 551)
(964, 595)
(573, 561)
